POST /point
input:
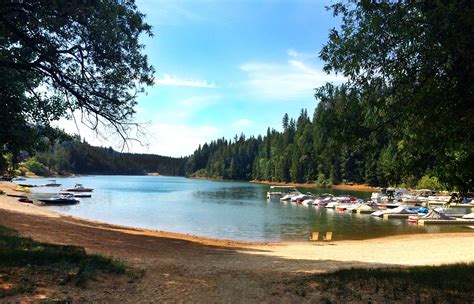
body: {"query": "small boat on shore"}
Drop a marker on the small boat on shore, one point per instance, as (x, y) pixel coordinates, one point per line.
(28, 185)
(16, 195)
(79, 188)
(61, 200)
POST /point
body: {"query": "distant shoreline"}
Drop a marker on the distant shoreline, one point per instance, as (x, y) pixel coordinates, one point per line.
(343, 187)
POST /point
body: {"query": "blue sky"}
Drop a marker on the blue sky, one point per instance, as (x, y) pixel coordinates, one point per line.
(228, 67)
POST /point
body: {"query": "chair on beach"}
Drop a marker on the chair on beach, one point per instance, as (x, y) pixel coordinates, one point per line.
(314, 236)
(328, 237)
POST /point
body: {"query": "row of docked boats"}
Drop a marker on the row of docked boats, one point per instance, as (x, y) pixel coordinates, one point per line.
(416, 205)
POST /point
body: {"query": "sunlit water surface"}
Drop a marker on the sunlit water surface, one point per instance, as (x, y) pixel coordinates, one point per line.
(224, 210)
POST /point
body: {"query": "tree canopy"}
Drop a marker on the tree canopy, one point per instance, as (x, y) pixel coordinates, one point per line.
(404, 115)
(411, 64)
(64, 57)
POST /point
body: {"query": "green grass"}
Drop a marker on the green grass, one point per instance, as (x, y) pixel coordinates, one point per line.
(422, 284)
(454, 277)
(71, 264)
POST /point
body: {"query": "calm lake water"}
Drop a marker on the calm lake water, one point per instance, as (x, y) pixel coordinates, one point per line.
(224, 210)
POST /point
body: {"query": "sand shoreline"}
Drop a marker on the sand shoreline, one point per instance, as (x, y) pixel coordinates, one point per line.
(372, 250)
(186, 268)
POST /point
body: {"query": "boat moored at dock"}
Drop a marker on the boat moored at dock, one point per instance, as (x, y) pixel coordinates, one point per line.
(278, 192)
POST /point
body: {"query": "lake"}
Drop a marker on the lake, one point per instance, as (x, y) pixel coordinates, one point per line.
(223, 210)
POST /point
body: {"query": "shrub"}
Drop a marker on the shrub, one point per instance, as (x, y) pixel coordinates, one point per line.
(36, 167)
(429, 182)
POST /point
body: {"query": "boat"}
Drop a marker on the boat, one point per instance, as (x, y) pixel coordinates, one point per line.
(433, 214)
(17, 195)
(52, 183)
(365, 208)
(398, 210)
(61, 200)
(289, 196)
(342, 200)
(81, 195)
(277, 192)
(323, 200)
(301, 197)
(19, 179)
(388, 195)
(308, 202)
(79, 188)
(28, 185)
(469, 216)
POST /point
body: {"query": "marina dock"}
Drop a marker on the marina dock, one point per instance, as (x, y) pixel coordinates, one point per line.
(445, 222)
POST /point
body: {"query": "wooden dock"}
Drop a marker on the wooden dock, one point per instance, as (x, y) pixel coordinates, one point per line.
(363, 211)
(396, 216)
(445, 222)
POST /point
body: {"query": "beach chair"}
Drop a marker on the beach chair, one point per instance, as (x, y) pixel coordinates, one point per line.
(314, 236)
(328, 237)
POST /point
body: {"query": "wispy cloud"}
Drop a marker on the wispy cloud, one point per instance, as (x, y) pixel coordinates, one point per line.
(242, 123)
(301, 55)
(178, 139)
(288, 80)
(170, 13)
(174, 81)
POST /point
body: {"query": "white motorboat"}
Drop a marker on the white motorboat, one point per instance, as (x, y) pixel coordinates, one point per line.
(307, 202)
(52, 183)
(79, 188)
(398, 210)
(277, 192)
(301, 197)
(61, 200)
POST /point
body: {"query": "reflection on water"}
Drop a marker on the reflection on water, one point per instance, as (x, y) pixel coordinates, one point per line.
(227, 210)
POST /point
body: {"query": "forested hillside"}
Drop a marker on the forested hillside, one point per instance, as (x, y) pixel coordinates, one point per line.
(333, 146)
(81, 158)
(405, 110)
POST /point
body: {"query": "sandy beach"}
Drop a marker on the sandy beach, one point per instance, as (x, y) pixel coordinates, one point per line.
(189, 268)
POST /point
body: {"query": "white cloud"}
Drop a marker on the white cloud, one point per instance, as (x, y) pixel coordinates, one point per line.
(301, 55)
(242, 123)
(168, 139)
(289, 80)
(177, 139)
(173, 81)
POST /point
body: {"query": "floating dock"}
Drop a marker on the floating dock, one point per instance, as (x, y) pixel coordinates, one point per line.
(397, 216)
(363, 211)
(445, 222)
(403, 216)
